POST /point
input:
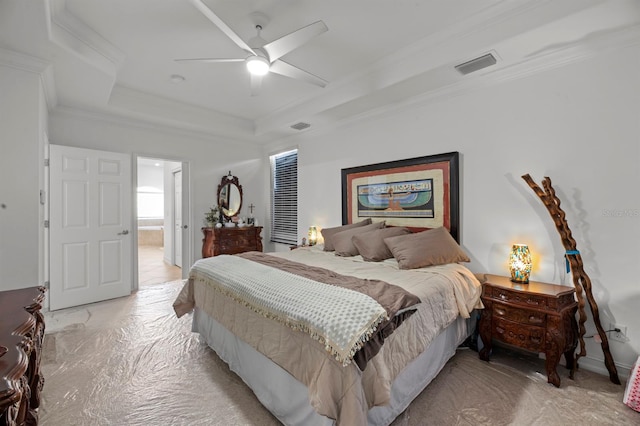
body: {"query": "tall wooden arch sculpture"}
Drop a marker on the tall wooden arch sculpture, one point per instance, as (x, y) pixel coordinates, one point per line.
(581, 280)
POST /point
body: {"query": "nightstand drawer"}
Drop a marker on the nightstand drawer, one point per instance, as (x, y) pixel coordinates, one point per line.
(519, 315)
(520, 298)
(524, 336)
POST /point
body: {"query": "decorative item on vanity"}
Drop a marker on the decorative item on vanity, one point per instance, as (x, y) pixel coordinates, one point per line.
(313, 235)
(251, 220)
(581, 280)
(520, 263)
(229, 196)
(212, 217)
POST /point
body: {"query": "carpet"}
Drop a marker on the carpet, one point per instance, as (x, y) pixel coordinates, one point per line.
(130, 361)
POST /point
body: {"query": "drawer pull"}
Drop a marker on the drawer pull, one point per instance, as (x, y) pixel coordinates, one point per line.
(501, 312)
(536, 320)
(535, 339)
(500, 330)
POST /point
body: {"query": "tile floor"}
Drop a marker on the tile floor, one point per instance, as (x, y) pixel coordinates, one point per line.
(152, 268)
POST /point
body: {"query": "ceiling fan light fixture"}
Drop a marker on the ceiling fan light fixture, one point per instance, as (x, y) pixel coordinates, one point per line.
(257, 65)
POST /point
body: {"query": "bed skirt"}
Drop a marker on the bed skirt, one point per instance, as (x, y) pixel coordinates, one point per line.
(291, 403)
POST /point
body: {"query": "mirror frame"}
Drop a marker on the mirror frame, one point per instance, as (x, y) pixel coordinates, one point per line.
(229, 180)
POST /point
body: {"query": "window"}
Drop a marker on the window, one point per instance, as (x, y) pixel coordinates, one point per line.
(284, 197)
(150, 202)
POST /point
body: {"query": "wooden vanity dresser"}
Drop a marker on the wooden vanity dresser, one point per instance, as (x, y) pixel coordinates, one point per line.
(21, 337)
(231, 240)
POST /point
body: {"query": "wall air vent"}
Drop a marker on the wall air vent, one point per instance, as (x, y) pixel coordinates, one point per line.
(301, 126)
(476, 64)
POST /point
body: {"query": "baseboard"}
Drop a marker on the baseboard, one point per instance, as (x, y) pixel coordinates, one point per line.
(597, 366)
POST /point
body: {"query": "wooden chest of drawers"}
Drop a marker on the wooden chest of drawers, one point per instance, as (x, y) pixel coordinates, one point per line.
(537, 317)
(219, 241)
(21, 338)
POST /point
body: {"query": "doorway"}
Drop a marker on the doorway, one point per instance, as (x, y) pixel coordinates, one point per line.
(159, 235)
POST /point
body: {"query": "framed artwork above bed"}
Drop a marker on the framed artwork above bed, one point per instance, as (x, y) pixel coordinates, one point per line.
(419, 193)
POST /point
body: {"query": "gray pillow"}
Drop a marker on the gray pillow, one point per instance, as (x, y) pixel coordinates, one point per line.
(342, 241)
(426, 248)
(328, 233)
(371, 244)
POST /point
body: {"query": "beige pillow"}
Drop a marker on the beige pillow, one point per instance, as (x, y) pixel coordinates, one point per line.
(371, 244)
(342, 241)
(426, 248)
(328, 233)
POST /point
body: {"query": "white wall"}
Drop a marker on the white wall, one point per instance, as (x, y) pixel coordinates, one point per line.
(23, 125)
(579, 125)
(209, 160)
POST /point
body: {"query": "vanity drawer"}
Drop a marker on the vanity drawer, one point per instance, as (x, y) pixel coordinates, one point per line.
(520, 298)
(519, 315)
(524, 336)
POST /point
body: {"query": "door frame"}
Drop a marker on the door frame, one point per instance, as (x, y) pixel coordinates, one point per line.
(187, 235)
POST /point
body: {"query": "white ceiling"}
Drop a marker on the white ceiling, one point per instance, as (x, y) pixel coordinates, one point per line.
(116, 57)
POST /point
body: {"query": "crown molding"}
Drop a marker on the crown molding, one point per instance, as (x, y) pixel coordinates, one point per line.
(32, 64)
(560, 56)
(479, 32)
(75, 36)
(130, 122)
(162, 110)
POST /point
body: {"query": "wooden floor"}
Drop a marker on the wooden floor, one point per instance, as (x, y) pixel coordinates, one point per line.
(152, 269)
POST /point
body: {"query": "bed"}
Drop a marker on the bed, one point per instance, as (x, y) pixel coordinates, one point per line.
(301, 374)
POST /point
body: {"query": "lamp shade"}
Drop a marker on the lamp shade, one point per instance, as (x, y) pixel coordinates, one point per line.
(520, 263)
(313, 235)
(258, 65)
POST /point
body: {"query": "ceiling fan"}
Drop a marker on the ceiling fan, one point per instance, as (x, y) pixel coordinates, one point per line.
(265, 57)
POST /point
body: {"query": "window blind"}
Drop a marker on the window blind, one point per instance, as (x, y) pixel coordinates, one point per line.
(284, 197)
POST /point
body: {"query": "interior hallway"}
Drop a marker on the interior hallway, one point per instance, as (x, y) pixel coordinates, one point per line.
(152, 269)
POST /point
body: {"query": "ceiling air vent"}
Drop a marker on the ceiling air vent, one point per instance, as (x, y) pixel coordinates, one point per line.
(301, 126)
(476, 64)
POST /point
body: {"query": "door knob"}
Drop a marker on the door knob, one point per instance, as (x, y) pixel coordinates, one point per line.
(185, 226)
(125, 232)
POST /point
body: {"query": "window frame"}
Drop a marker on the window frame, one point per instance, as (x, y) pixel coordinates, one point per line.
(284, 204)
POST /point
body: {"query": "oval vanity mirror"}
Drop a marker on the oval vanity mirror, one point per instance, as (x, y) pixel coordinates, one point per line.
(229, 196)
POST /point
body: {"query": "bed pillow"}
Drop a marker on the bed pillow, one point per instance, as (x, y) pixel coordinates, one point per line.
(432, 247)
(328, 233)
(343, 241)
(371, 244)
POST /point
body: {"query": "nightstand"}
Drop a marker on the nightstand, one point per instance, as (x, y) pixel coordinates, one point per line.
(537, 317)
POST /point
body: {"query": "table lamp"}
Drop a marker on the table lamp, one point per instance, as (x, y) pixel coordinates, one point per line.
(520, 263)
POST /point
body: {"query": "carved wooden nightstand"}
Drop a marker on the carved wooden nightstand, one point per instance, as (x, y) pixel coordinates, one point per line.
(537, 317)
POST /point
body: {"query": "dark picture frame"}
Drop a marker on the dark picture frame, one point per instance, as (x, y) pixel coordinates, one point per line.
(419, 193)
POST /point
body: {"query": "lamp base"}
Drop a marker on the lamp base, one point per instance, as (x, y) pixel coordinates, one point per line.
(520, 281)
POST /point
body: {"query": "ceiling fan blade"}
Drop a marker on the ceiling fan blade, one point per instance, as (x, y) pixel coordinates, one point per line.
(256, 84)
(223, 27)
(288, 70)
(209, 60)
(286, 44)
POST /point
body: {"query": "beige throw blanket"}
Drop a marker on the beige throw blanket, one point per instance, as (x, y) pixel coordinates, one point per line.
(341, 312)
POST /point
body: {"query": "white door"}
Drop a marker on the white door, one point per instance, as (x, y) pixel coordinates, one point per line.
(177, 215)
(90, 226)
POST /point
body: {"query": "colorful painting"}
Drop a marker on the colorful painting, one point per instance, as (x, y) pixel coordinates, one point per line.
(405, 198)
(419, 193)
